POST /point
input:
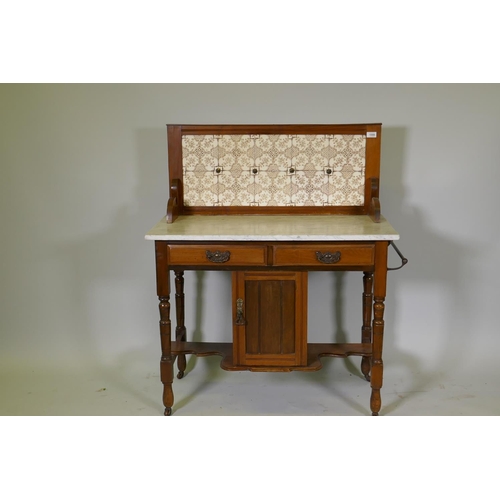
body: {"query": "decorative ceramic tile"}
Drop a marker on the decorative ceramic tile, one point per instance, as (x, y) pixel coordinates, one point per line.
(310, 188)
(235, 190)
(273, 170)
(273, 152)
(199, 153)
(346, 191)
(272, 189)
(200, 189)
(309, 152)
(348, 152)
(235, 152)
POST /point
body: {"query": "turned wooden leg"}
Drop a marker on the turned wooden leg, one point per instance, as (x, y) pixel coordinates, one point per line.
(366, 329)
(380, 280)
(180, 329)
(167, 360)
(377, 363)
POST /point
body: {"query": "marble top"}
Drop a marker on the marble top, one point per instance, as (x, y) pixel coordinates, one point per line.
(273, 228)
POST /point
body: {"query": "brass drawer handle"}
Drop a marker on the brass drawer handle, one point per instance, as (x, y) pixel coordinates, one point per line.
(240, 320)
(218, 257)
(328, 257)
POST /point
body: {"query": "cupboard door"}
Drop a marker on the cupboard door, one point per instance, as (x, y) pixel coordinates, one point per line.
(270, 318)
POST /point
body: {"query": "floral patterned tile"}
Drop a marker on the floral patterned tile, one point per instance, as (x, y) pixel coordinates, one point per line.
(274, 170)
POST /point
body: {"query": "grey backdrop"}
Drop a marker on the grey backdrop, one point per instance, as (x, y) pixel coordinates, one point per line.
(84, 177)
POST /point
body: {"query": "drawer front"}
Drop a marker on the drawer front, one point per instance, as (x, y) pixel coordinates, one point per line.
(217, 255)
(324, 255)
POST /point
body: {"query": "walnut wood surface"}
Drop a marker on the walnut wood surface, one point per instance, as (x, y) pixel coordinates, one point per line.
(366, 329)
(275, 329)
(374, 211)
(361, 128)
(180, 329)
(379, 291)
(314, 353)
(296, 210)
(374, 205)
(247, 255)
(303, 255)
(163, 291)
(174, 200)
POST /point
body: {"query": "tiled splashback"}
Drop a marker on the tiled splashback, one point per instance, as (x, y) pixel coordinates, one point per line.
(273, 170)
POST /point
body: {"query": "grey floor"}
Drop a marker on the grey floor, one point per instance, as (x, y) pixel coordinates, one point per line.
(338, 389)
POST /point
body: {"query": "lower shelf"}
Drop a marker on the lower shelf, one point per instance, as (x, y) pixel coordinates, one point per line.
(314, 353)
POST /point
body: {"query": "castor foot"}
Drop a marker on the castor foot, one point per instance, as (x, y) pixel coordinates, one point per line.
(375, 414)
(180, 374)
(167, 412)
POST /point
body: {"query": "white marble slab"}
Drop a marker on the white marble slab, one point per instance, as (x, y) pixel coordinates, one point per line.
(273, 228)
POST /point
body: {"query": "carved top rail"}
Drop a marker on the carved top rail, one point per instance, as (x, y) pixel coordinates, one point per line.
(274, 169)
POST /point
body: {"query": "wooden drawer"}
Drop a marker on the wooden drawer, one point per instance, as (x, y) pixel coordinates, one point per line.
(324, 255)
(217, 255)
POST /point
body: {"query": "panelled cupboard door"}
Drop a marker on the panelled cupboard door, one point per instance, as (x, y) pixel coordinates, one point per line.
(270, 318)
